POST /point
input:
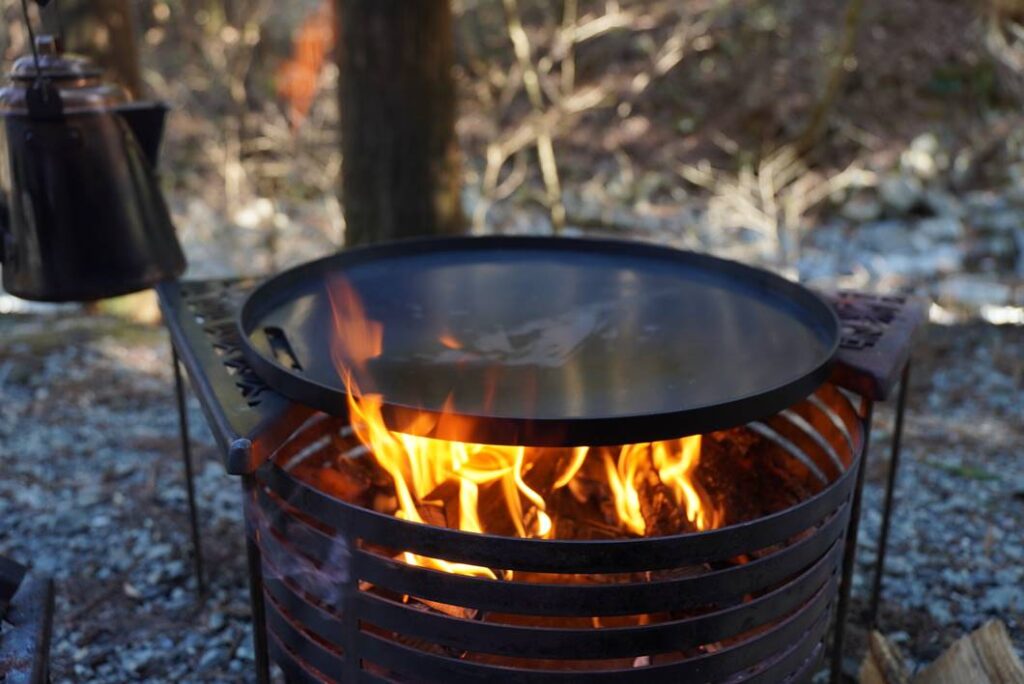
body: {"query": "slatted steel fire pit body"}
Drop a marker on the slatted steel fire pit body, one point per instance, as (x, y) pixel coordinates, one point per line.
(338, 610)
(671, 344)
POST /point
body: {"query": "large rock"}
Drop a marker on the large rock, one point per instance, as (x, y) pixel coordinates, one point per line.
(973, 291)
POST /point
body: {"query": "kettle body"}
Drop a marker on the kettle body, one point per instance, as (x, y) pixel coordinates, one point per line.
(85, 218)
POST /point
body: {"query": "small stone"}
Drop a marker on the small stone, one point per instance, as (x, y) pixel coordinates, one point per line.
(216, 622)
(885, 237)
(1003, 600)
(897, 566)
(900, 193)
(1019, 237)
(923, 158)
(940, 612)
(133, 661)
(980, 578)
(1004, 221)
(176, 569)
(861, 208)
(244, 651)
(209, 659)
(982, 202)
(941, 228)
(942, 204)
(968, 622)
(1003, 246)
(1007, 576)
(954, 578)
(158, 551)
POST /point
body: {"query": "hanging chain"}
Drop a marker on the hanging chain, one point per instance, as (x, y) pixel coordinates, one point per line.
(32, 39)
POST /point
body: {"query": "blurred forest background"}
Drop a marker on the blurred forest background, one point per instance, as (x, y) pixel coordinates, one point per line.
(856, 142)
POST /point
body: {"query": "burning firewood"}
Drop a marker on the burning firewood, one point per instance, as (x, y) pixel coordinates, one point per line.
(341, 479)
(662, 515)
(445, 608)
(424, 604)
(433, 513)
(749, 476)
(742, 476)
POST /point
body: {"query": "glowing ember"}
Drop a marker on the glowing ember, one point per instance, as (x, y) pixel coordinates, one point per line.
(497, 488)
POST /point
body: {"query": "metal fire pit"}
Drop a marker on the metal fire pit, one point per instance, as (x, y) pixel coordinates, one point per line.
(763, 620)
(335, 610)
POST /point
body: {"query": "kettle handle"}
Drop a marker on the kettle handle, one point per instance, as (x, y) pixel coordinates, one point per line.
(5, 224)
(146, 121)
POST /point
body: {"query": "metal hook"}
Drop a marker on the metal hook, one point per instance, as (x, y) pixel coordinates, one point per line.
(44, 101)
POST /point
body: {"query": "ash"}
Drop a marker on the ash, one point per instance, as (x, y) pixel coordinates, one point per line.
(93, 492)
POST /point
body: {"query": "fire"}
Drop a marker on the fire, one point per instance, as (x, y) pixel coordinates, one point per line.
(496, 487)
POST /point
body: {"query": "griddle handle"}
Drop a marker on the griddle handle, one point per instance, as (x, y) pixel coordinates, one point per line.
(281, 348)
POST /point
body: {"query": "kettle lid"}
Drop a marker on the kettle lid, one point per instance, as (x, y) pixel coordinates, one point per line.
(53, 64)
(76, 77)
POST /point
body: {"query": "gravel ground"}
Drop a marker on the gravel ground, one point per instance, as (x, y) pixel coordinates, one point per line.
(92, 492)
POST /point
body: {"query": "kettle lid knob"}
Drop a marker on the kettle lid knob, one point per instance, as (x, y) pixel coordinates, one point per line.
(46, 46)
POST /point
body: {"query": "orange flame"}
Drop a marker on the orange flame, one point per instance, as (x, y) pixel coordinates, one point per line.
(449, 341)
(419, 466)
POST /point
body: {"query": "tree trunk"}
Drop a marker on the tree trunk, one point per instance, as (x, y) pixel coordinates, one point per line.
(400, 169)
(105, 30)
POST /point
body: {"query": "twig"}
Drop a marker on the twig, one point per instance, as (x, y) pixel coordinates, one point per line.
(771, 198)
(115, 588)
(531, 82)
(838, 71)
(605, 24)
(570, 35)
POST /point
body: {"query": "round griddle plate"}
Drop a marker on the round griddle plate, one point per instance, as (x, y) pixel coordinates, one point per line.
(560, 341)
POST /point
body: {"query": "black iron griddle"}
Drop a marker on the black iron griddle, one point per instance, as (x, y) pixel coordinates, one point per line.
(562, 341)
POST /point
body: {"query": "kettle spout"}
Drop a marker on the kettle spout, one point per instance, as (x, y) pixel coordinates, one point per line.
(146, 120)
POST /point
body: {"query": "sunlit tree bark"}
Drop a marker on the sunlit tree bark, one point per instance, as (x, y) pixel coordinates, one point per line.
(400, 173)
